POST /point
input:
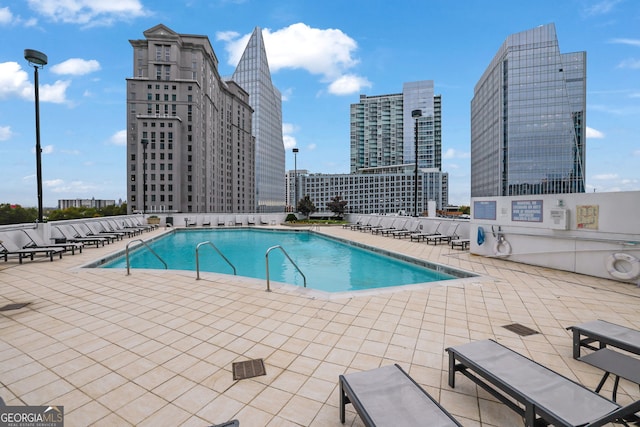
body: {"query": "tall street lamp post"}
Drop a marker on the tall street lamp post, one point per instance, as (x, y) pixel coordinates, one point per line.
(144, 142)
(295, 179)
(38, 60)
(416, 114)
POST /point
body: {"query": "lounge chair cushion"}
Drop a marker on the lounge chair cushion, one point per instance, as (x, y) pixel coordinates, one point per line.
(526, 380)
(389, 397)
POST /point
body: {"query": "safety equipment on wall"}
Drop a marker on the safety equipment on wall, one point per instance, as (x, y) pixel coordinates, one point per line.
(502, 247)
(615, 262)
(480, 235)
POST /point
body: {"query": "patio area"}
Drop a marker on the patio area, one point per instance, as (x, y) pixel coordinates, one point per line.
(157, 347)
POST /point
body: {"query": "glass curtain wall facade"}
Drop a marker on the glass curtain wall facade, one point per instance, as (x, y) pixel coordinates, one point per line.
(253, 75)
(382, 128)
(528, 119)
(419, 96)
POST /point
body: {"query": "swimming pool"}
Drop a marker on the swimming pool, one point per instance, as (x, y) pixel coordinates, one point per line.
(328, 264)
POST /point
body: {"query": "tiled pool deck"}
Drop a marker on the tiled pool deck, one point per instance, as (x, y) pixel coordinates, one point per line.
(156, 347)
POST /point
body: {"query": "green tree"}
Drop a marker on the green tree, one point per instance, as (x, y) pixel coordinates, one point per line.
(306, 206)
(465, 209)
(337, 206)
(16, 214)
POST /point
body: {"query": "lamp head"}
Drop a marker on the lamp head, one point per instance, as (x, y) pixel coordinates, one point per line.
(36, 58)
(416, 113)
(295, 150)
(144, 141)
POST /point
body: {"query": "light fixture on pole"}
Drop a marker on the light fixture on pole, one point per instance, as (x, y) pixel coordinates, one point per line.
(295, 179)
(416, 114)
(144, 143)
(38, 60)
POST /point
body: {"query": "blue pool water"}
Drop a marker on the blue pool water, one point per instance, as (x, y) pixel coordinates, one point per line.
(328, 264)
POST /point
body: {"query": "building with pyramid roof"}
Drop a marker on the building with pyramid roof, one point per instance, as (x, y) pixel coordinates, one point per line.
(253, 75)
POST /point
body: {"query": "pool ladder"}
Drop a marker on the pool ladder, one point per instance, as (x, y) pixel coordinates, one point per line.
(148, 247)
(292, 262)
(219, 253)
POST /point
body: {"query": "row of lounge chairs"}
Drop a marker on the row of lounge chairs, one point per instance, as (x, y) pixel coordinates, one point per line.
(222, 221)
(429, 231)
(541, 396)
(27, 243)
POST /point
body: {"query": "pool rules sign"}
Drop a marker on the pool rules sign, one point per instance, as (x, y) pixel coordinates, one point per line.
(31, 416)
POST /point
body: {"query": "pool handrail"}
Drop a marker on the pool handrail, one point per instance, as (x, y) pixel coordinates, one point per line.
(148, 247)
(219, 253)
(292, 262)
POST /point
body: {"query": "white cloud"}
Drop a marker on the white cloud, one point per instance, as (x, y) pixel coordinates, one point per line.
(633, 64)
(593, 133)
(636, 153)
(74, 187)
(6, 17)
(88, 12)
(311, 147)
(602, 7)
(348, 84)
(55, 93)
(606, 176)
(119, 138)
(14, 82)
(288, 139)
(452, 153)
(631, 42)
(328, 53)
(76, 67)
(5, 133)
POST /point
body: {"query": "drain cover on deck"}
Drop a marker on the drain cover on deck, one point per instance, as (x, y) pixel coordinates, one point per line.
(248, 369)
(14, 306)
(520, 329)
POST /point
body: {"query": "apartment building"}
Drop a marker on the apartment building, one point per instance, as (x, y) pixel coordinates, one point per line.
(189, 141)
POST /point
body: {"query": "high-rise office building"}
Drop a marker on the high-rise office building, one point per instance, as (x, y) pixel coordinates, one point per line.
(528, 119)
(253, 75)
(189, 141)
(382, 128)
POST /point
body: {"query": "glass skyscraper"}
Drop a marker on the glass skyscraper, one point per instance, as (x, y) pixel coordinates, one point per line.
(253, 75)
(528, 119)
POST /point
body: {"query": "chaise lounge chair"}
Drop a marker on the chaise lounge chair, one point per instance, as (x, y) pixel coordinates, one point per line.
(401, 227)
(447, 236)
(547, 397)
(38, 242)
(350, 225)
(433, 231)
(69, 234)
(407, 231)
(206, 221)
(370, 225)
(82, 230)
(359, 224)
(388, 396)
(9, 247)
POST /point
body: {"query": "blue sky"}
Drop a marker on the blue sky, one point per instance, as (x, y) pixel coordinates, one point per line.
(323, 55)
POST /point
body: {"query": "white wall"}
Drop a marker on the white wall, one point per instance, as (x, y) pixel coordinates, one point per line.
(609, 224)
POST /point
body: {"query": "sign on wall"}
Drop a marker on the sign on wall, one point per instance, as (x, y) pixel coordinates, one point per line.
(484, 209)
(587, 217)
(526, 210)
